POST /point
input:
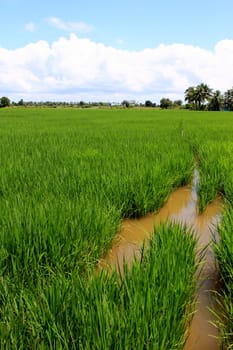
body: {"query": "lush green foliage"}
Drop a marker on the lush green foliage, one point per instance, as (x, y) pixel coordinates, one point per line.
(5, 101)
(202, 97)
(224, 255)
(147, 308)
(210, 137)
(67, 178)
(228, 99)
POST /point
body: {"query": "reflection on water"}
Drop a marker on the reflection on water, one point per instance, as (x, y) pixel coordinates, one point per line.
(181, 207)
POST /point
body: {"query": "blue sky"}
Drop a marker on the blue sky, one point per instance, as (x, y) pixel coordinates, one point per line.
(131, 24)
(128, 27)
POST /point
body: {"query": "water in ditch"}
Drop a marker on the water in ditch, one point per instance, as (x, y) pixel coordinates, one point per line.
(182, 207)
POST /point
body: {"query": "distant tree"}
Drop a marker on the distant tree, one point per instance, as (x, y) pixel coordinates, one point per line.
(5, 101)
(228, 100)
(177, 103)
(190, 96)
(125, 103)
(165, 103)
(148, 103)
(21, 102)
(198, 96)
(216, 101)
(203, 94)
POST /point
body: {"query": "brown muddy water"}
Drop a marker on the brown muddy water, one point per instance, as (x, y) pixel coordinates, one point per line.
(182, 207)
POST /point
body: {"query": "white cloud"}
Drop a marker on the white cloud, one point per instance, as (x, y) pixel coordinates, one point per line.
(80, 69)
(30, 27)
(76, 27)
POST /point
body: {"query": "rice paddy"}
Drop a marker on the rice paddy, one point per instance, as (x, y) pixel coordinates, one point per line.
(68, 177)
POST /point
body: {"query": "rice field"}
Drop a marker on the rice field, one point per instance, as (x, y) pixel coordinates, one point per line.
(224, 255)
(68, 177)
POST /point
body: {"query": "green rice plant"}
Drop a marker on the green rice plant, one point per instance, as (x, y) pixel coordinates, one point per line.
(67, 174)
(160, 313)
(210, 138)
(210, 183)
(148, 308)
(35, 242)
(67, 178)
(224, 255)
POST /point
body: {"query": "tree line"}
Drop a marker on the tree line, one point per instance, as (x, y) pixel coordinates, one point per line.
(164, 103)
(200, 97)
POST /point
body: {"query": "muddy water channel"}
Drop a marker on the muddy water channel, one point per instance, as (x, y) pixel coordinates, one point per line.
(181, 207)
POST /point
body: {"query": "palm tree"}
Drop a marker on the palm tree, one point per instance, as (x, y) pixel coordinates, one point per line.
(190, 95)
(198, 95)
(216, 101)
(203, 93)
(228, 99)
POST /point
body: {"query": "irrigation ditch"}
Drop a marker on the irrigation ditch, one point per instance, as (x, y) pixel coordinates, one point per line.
(181, 207)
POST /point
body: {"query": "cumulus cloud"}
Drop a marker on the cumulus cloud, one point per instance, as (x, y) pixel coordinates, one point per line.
(75, 69)
(77, 27)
